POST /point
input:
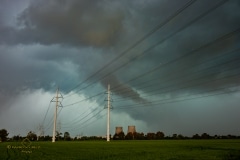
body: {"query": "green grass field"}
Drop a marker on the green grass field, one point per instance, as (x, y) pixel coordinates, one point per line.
(122, 150)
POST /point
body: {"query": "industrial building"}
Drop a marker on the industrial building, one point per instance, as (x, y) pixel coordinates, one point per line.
(118, 130)
(131, 129)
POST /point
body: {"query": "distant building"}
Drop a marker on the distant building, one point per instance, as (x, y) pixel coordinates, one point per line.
(118, 130)
(131, 129)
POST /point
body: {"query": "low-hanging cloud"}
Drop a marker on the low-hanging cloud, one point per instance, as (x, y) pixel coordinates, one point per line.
(64, 42)
(67, 23)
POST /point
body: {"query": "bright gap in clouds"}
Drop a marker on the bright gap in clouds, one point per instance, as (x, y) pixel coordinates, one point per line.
(25, 112)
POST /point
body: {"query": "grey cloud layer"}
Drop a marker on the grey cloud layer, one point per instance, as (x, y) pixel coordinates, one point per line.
(68, 23)
(64, 42)
(106, 24)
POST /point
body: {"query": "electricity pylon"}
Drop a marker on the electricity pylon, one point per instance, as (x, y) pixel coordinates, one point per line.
(108, 112)
(56, 99)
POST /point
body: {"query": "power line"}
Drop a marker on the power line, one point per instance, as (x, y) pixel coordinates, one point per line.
(79, 119)
(87, 119)
(174, 101)
(194, 51)
(187, 86)
(224, 77)
(46, 113)
(184, 76)
(166, 38)
(100, 117)
(180, 69)
(180, 29)
(50, 123)
(79, 115)
(189, 3)
(133, 46)
(96, 95)
(161, 41)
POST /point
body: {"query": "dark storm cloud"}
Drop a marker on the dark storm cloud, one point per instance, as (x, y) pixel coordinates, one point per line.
(21, 71)
(62, 43)
(128, 91)
(212, 62)
(71, 23)
(101, 24)
(76, 23)
(80, 23)
(68, 23)
(203, 41)
(107, 24)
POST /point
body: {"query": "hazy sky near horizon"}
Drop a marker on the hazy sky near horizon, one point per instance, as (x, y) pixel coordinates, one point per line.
(173, 66)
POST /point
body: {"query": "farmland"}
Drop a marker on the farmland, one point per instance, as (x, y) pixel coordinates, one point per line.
(118, 150)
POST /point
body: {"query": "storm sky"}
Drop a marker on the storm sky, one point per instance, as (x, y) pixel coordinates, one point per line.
(173, 66)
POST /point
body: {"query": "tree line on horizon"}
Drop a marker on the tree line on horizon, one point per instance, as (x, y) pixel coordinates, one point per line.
(160, 135)
(117, 136)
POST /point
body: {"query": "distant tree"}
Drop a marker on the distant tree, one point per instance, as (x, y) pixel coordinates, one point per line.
(159, 135)
(216, 136)
(231, 136)
(196, 136)
(140, 136)
(116, 137)
(16, 138)
(83, 138)
(47, 138)
(58, 135)
(205, 136)
(119, 136)
(32, 136)
(41, 138)
(151, 136)
(223, 137)
(67, 136)
(129, 136)
(174, 136)
(180, 136)
(3, 135)
(95, 138)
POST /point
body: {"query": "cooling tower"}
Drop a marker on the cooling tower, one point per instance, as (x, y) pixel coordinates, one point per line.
(131, 129)
(118, 130)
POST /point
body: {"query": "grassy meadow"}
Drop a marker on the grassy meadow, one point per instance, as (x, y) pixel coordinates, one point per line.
(122, 150)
